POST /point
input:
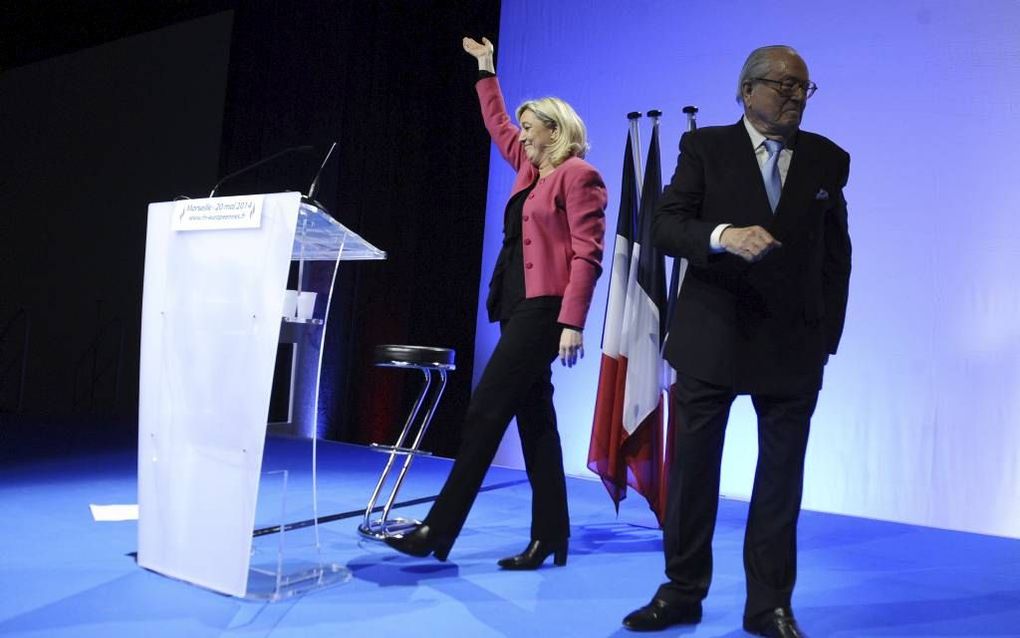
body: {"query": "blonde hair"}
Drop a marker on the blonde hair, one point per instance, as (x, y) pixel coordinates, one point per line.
(557, 115)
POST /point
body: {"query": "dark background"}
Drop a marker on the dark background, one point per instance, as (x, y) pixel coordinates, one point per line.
(109, 106)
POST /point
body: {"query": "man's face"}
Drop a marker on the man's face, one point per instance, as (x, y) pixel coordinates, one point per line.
(771, 112)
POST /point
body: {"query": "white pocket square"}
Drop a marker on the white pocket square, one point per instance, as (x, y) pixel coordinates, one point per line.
(822, 194)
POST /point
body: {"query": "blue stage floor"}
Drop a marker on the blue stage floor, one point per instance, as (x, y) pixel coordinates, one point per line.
(61, 574)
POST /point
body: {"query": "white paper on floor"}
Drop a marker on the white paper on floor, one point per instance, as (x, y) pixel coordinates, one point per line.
(114, 512)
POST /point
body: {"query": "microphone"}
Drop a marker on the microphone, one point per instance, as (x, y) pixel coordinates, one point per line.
(294, 149)
(315, 182)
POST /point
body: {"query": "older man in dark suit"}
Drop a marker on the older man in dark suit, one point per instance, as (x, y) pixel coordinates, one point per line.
(757, 209)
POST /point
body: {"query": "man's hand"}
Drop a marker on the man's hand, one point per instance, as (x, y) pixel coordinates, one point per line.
(571, 347)
(750, 243)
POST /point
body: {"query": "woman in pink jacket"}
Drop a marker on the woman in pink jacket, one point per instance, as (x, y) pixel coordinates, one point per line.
(540, 293)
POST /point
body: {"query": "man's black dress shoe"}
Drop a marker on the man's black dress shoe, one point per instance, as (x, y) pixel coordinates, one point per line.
(421, 541)
(535, 555)
(658, 615)
(778, 623)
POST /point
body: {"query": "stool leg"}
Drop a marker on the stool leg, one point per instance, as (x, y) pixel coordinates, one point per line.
(366, 522)
(433, 404)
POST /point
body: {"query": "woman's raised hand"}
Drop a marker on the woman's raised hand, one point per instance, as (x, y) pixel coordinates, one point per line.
(482, 51)
(478, 49)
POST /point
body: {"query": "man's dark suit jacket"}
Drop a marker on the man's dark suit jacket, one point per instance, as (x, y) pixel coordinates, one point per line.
(766, 327)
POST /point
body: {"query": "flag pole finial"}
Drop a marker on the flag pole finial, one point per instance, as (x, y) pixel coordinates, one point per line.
(692, 114)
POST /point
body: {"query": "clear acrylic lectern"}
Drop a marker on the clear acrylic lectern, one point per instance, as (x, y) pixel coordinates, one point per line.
(214, 294)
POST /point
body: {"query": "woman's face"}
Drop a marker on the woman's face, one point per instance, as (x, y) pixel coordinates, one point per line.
(535, 137)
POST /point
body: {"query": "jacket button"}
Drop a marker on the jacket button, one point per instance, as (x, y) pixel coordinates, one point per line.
(528, 265)
(527, 242)
(525, 218)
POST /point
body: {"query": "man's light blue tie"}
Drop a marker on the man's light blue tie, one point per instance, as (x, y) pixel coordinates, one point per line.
(770, 172)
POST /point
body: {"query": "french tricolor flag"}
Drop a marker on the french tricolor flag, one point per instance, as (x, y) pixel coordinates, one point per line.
(627, 442)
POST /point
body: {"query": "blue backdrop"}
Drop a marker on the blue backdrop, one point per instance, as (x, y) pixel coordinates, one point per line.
(918, 421)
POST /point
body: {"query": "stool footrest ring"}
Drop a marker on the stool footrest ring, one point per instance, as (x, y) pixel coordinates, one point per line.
(380, 529)
(403, 451)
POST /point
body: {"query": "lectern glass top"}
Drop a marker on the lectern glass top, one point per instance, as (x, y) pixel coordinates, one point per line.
(319, 237)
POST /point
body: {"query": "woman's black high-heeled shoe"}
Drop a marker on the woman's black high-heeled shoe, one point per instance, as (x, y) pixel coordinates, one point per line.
(535, 555)
(421, 541)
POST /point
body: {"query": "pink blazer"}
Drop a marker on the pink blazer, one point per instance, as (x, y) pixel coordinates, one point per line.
(563, 225)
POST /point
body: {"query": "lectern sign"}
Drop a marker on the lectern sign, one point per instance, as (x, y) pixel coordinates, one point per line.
(218, 213)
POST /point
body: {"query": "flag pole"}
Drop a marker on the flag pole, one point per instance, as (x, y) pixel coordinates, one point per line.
(635, 135)
(679, 264)
(692, 113)
(655, 114)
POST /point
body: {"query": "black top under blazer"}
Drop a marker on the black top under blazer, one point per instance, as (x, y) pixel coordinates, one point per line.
(767, 327)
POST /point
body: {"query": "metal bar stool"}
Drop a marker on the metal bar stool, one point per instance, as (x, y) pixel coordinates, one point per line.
(433, 362)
